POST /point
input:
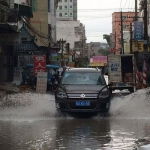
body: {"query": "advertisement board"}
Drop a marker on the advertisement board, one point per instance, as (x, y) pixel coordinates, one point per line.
(41, 85)
(138, 30)
(140, 46)
(127, 48)
(102, 59)
(39, 64)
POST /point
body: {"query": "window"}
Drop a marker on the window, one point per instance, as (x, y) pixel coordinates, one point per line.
(33, 4)
(70, 6)
(124, 18)
(85, 78)
(65, 0)
(60, 0)
(65, 7)
(60, 14)
(60, 7)
(66, 14)
(124, 27)
(70, 14)
(70, 0)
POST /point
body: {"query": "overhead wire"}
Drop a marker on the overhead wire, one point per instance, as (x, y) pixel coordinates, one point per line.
(31, 28)
(125, 3)
(128, 5)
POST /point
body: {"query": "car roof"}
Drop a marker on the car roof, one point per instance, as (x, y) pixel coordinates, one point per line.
(83, 70)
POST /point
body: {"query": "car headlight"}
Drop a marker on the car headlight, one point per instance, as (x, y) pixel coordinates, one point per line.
(104, 93)
(61, 94)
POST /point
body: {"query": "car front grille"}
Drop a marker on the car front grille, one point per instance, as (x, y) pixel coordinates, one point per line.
(77, 95)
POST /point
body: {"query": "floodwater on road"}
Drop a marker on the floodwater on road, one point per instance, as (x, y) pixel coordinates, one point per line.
(29, 121)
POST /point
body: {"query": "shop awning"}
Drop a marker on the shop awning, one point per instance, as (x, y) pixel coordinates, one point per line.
(24, 10)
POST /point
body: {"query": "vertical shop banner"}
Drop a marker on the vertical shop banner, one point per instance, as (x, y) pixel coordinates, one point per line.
(138, 30)
(127, 48)
(41, 85)
(39, 64)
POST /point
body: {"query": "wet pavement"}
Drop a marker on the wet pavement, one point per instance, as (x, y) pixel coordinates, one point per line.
(29, 121)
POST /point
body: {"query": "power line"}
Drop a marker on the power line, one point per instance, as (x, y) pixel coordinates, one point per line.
(125, 4)
(128, 5)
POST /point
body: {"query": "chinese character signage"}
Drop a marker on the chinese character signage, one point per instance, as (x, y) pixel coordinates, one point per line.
(39, 64)
(41, 85)
(138, 30)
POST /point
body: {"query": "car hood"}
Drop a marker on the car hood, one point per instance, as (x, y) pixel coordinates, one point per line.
(82, 88)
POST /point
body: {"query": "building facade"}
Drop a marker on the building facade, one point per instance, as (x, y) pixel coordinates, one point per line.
(127, 18)
(67, 10)
(52, 6)
(66, 31)
(39, 23)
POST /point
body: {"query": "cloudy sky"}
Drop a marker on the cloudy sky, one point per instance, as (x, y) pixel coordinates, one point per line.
(96, 16)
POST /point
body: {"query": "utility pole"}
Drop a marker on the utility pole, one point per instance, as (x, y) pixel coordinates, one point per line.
(115, 40)
(136, 46)
(62, 50)
(122, 42)
(145, 52)
(136, 18)
(131, 38)
(145, 31)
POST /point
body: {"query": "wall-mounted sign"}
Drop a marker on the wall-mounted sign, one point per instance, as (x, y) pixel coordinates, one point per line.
(127, 48)
(138, 30)
(41, 85)
(140, 46)
(39, 64)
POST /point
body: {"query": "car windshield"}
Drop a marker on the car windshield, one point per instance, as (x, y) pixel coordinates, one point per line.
(83, 78)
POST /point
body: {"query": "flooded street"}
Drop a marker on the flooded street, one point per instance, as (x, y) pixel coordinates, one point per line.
(30, 122)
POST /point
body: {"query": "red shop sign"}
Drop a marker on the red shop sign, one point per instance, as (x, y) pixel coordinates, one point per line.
(39, 64)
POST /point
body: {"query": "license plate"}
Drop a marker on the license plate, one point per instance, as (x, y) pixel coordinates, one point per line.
(82, 103)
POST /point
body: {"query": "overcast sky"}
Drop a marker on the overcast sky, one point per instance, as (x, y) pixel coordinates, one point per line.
(96, 15)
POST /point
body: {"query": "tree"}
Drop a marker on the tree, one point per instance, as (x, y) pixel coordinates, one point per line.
(107, 38)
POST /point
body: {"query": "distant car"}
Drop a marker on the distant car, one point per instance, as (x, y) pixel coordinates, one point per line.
(82, 90)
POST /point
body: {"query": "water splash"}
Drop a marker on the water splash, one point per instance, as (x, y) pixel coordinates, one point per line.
(33, 105)
(28, 105)
(135, 105)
